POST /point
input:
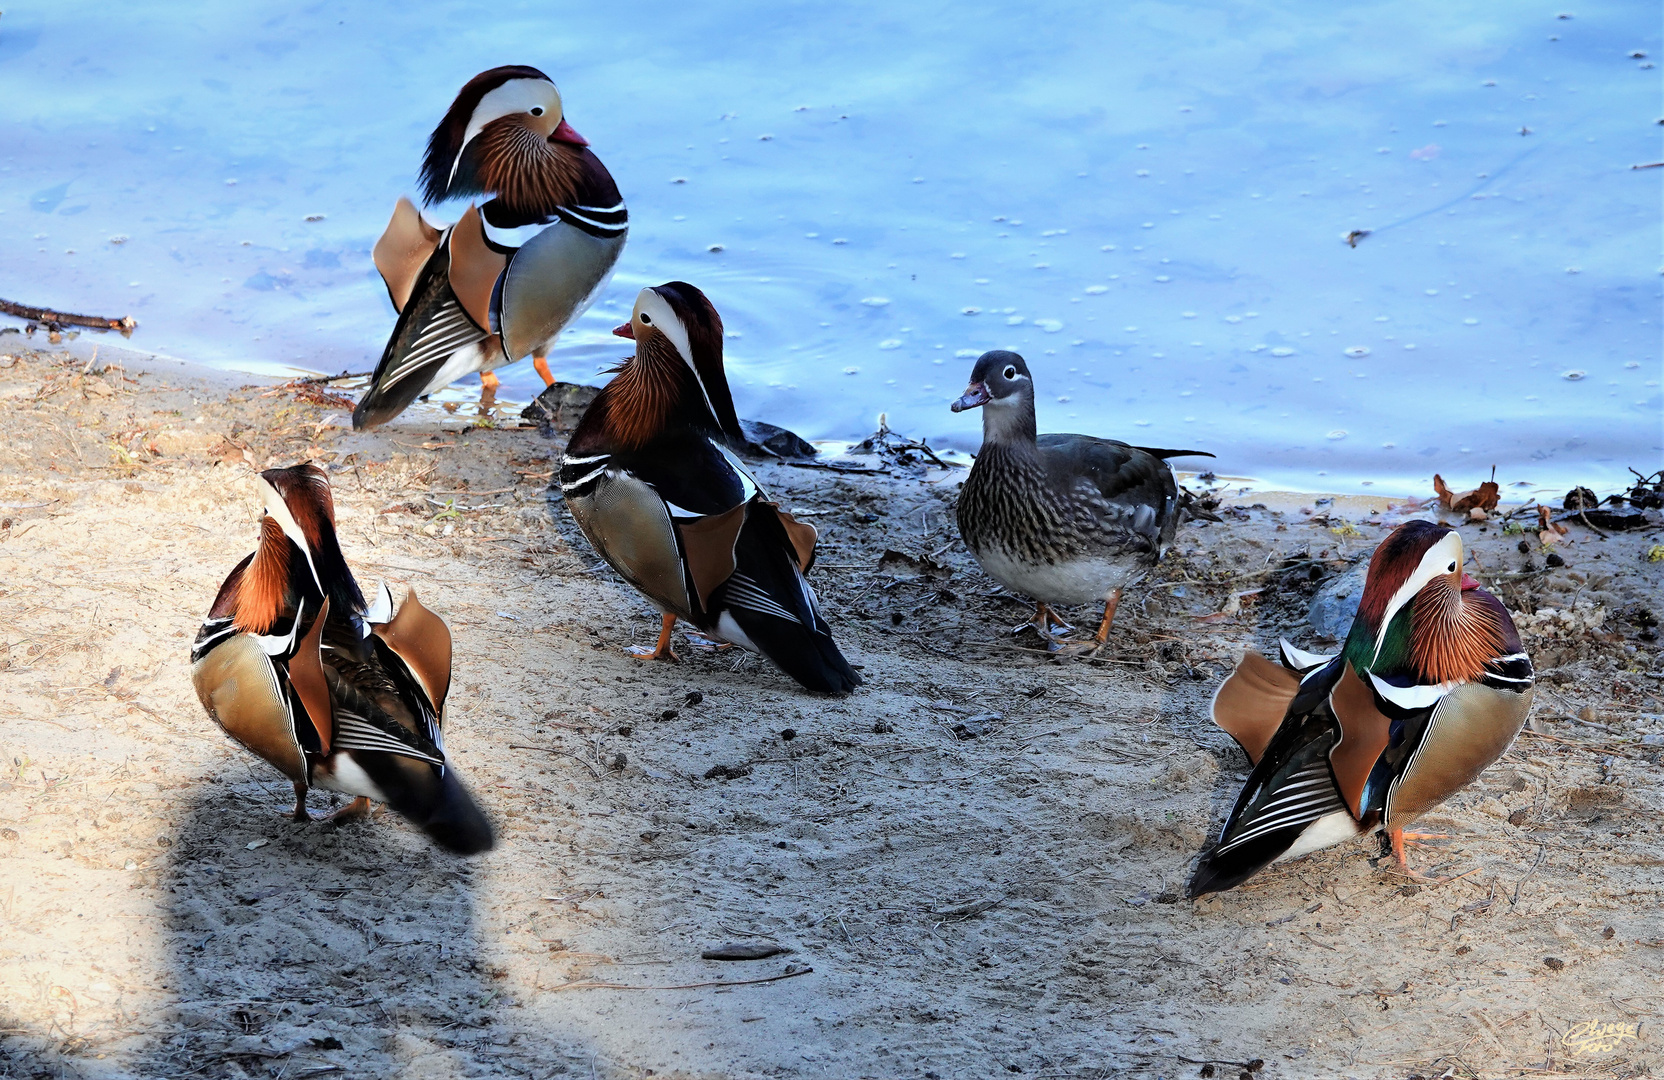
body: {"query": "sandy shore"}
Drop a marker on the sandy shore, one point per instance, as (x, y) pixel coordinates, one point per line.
(1002, 904)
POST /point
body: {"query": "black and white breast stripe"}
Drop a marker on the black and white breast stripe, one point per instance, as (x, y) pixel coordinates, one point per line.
(1309, 795)
(601, 222)
(450, 329)
(578, 475)
(1513, 672)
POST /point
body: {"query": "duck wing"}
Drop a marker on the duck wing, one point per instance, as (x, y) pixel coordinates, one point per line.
(768, 605)
(1292, 802)
(1130, 492)
(443, 329)
(388, 690)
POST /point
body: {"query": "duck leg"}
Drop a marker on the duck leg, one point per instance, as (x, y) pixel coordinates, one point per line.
(357, 810)
(1046, 623)
(662, 650)
(541, 363)
(299, 812)
(488, 390)
(1110, 604)
(1398, 838)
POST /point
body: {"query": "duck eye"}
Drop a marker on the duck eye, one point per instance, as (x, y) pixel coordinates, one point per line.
(537, 110)
(645, 318)
(1009, 372)
(1452, 569)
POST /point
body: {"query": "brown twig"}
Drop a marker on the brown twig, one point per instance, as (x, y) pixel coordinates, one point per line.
(306, 379)
(124, 324)
(585, 984)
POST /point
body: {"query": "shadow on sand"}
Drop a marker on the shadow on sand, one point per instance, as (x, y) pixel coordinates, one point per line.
(297, 950)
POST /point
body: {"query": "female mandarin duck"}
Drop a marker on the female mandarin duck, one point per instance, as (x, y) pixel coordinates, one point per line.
(1066, 519)
(333, 693)
(650, 480)
(1431, 688)
(513, 272)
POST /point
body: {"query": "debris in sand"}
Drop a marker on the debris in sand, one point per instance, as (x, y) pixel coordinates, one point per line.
(905, 567)
(756, 950)
(1483, 498)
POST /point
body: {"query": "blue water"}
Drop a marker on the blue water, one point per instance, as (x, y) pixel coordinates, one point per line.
(1146, 200)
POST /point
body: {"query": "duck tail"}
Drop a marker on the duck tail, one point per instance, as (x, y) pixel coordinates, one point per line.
(775, 610)
(454, 820)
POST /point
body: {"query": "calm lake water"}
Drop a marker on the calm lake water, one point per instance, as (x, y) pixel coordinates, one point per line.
(1146, 200)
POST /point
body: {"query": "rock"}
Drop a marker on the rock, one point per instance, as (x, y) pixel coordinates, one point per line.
(767, 440)
(974, 727)
(1332, 609)
(559, 407)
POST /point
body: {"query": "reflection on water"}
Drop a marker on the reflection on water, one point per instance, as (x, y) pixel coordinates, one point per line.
(1150, 205)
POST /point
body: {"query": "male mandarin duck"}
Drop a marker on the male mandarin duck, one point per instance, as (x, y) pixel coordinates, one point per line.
(514, 271)
(1065, 519)
(330, 691)
(651, 481)
(1430, 689)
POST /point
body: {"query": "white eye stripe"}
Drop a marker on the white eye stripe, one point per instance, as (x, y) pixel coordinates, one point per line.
(514, 96)
(655, 311)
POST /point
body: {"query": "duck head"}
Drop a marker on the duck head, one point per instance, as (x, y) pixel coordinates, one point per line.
(506, 135)
(1420, 611)
(676, 376)
(299, 554)
(1003, 388)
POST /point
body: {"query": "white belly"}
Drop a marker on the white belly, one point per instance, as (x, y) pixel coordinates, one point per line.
(1079, 581)
(338, 772)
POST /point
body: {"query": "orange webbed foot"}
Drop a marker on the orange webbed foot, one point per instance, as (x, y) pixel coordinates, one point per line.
(660, 651)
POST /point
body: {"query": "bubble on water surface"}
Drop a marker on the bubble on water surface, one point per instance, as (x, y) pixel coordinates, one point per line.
(1282, 350)
(1574, 375)
(1357, 351)
(1096, 290)
(1050, 326)
(876, 301)
(852, 371)
(1338, 433)
(890, 343)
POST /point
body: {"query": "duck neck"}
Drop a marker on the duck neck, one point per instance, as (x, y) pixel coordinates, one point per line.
(1009, 422)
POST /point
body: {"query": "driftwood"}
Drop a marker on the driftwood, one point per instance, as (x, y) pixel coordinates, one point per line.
(55, 320)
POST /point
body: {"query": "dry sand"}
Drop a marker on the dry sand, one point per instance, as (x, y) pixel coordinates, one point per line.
(1000, 905)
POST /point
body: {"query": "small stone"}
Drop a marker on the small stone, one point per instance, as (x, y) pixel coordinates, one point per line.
(882, 727)
(1525, 548)
(789, 734)
(694, 697)
(1517, 818)
(1553, 559)
(1554, 963)
(618, 761)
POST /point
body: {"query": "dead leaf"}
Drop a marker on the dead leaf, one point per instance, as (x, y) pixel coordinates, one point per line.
(1484, 497)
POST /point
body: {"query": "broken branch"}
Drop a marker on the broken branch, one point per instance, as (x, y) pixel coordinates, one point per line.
(50, 318)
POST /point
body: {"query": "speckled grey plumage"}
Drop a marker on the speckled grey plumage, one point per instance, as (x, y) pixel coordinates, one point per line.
(1062, 518)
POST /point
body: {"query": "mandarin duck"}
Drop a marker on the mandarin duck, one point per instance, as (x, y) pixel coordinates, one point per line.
(1431, 687)
(651, 480)
(512, 272)
(332, 692)
(1065, 519)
